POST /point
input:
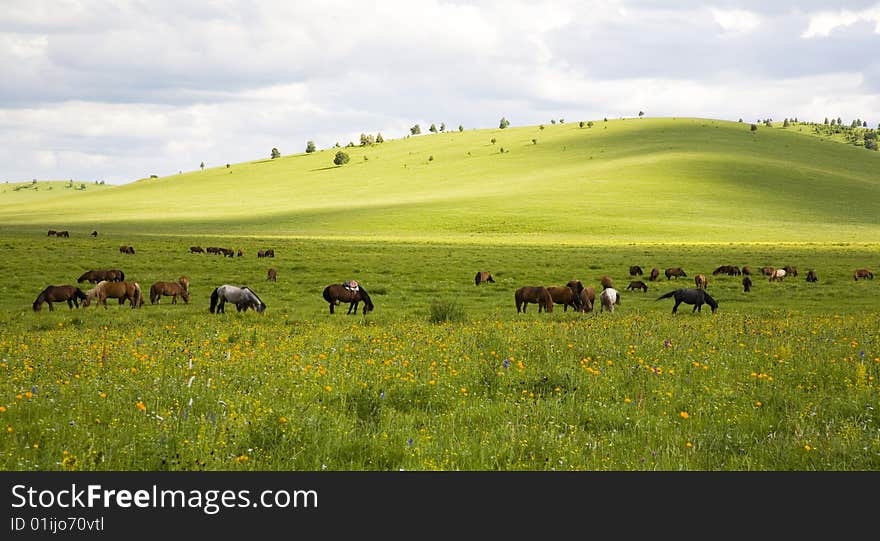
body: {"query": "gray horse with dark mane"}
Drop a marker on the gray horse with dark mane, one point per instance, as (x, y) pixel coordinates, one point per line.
(697, 297)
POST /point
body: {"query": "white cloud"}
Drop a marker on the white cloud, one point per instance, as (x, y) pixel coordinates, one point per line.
(823, 23)
(736, 20)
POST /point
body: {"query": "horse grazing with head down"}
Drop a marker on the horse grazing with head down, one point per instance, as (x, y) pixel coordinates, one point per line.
(338, 293)
(609, 298)
(124, 291)
(701, 281)
(126, 250)
(655, 273)
(635, 270)
(533, 294)
(861, 274)
(70, 294)
(676, 272)
(565, 296)
(637, 284)
(168, 289)
(95, 276)
(811, 276)
(242, 297)
(777, 275)
(483, 276)
(697, 297)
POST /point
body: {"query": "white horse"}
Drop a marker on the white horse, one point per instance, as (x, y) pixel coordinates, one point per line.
(609, 297)
(777, 275)
(242, 297)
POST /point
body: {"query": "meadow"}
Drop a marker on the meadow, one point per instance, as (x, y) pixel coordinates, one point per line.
(443, 375)
(446, 375)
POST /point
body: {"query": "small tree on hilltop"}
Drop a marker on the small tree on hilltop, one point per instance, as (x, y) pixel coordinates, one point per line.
(641, 114)
(275, 153)
(415, 130)
(460, 128)
(379, 138)
(504, 123)
(310, 147)
(754, 127)
(341, 158)
(442, 126)
(432, 129)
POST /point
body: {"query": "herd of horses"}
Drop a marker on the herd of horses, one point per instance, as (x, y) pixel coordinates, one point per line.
(111, 284)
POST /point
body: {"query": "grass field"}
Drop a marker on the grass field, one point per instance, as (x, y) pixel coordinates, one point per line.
(445, 375)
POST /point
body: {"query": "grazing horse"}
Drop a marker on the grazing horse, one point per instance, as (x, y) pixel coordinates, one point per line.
(608, 298)
(701, 281)
(184, 281)
(269, 252)
(64, 234)
(242, 297)
(130, 291)
(675, 271)
(767, 271)
(272, 275)
(483, 276)
(52, 233)
(533, 294)
(655, 273)
(790, 270)
(588, 298)
(566, 296)
(71, 294)
(338, 293)
(637, 284)
(697, 297)
(169, 289)
(126, 250)
(747, 284)
(93, 234)
(212, 250)
(95, 276)
(861, 274)
(777, 275)
(747, 270)
(635, 270)
(811, 276)
(606, 282)
(196, 250)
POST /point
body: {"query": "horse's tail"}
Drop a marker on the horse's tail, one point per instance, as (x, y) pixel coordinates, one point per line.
(121, 276)
(138, 298)
(477, 279)
(666, 296)
(215, 297)
(327, 296)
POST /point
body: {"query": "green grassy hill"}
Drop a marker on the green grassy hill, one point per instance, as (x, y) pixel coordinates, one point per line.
(630, 180)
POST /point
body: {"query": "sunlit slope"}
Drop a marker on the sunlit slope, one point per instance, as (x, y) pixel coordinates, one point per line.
(633, 180)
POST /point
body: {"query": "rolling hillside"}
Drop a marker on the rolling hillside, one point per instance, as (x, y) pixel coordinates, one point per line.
(621, 181)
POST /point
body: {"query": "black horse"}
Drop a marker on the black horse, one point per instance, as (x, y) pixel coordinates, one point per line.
(697, 297)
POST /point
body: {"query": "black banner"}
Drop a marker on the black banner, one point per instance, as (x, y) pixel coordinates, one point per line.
(218, 505)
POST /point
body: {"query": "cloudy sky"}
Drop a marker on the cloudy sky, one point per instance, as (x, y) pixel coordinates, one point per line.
(119, 90)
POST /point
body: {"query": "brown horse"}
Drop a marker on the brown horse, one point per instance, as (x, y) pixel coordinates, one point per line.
(767, 271)
(533, 294)
(811, 276)
(635, 270)
(338, 293)
(269, 252)
(790, 271)
(212, 250)
(483, 276)
(588, 298)
(637, 284)
(196, 250)
(777, 275)
(64, 234)
(272, 275)
(655, 273)
(700, 281)
(566, 296)
(861, 274)
(747, 270)
(95, 276)
(747, 284)
(606, 282)
(677, 272)
(184, 281)
(70, 294)
(168, 289)
(130, 291)
(126, 250)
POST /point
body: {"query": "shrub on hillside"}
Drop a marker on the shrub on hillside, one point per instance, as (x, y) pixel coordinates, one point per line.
(445, 311)
(341, 158)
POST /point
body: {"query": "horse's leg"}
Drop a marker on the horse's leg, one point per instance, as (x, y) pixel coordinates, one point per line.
(70, 304)
(50, 305)
(331, 307)
(174, 299)
(675, 308)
